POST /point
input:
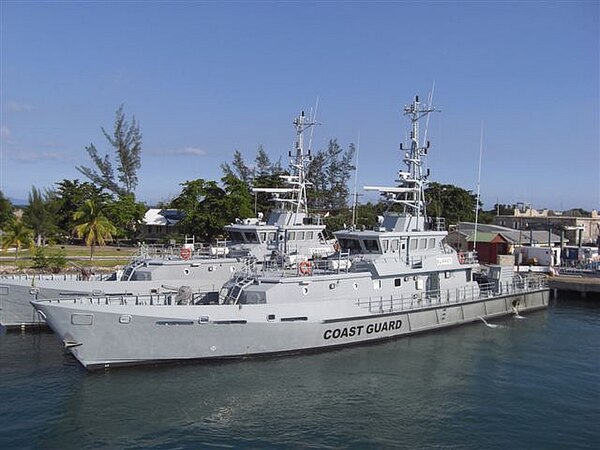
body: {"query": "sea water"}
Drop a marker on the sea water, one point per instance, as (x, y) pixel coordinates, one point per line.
(531, 383)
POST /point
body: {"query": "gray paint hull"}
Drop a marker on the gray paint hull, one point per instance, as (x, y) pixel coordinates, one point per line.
(167, 333)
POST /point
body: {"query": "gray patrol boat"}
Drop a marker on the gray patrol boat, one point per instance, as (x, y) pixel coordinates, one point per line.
(289, 231)
(395, 280)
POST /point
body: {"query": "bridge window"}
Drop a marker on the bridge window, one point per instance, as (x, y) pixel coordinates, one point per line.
(236, 236)
(263, 236)
(394, 245)
(291, 236)
(252, 298)
(422, 243)
(349, 244)
(386, 245)
(271, 236)
(300, 235)
(371, 245)
(431, 243)
(251, 237)
(309, 235)
(414, 243)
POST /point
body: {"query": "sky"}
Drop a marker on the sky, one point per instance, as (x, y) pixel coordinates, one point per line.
(516, 82)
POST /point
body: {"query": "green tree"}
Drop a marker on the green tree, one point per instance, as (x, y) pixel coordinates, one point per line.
(6, 211)
(202, 203)
(240, 169)
(237, 203)
(451, 202)
(329, 171)
(70, 196)
(265, 173)
(126, 214)
(39, 215)
(92, 225)
(126, 141)
(263, 166)
(17, 235)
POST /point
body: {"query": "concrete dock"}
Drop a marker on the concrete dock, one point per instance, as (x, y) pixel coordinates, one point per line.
(584, 285)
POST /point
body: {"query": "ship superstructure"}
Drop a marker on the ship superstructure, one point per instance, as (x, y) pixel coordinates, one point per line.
(289, 230)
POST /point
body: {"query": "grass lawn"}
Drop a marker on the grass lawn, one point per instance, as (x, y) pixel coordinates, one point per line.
(106, 256)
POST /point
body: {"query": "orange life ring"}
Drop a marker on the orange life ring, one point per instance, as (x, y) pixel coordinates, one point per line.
(186, 253)
(304, 268)
(461, 258)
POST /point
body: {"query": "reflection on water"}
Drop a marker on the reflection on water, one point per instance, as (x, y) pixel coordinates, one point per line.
(531, 383)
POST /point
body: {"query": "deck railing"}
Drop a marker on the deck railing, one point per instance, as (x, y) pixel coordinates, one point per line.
(374, 304)
(426, 299)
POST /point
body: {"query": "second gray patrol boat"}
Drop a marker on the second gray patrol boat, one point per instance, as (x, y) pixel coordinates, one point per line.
(289, 230)
(397, 279)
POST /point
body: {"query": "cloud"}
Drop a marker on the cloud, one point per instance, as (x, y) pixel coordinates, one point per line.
(17, 107)
(186, 151)
(31, 157)
(4, 132)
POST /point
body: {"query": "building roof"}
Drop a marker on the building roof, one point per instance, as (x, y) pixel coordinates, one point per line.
(164, 217)
(511, 235)
(483, 236)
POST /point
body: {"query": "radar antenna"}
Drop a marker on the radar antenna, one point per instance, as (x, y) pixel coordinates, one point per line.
(410, 191)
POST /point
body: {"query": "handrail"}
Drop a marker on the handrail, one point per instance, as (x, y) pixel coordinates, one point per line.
(378, 304)
(426, 299)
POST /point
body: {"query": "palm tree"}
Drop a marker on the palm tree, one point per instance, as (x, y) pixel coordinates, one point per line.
(17, 235)
(92, 225)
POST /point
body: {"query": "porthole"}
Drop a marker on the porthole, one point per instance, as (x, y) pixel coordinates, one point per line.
(331, 285)
(211, 268)
(305, 290)
(186, 272)
(355, 286)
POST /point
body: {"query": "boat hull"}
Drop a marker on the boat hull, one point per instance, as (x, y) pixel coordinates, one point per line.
(16, 293)
(108, 336)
